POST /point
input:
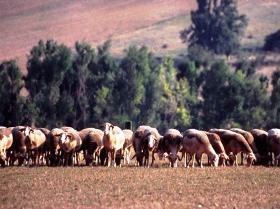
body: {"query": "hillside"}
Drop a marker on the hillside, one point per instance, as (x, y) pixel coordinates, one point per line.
(147, 22)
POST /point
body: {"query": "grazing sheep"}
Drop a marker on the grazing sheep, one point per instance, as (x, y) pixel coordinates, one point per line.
(171, 144)
(145, 140)
(235, 143)
(196, 142)
(218, 146)
(52, 147)
(34, 141)
(260, 138)
(273, 143)
(113, 141)
(70, 144)
(251, 141)
(91, 144)
(6, 140)
(138, 144)
(18, 147)
(127, 145)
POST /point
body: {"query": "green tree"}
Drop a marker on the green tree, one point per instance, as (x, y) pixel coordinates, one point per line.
(192, 77)
(232, 99)
(47, 65)
(272, 42)
(84, 57)
(274, 99)
(12, 105)
(100, 85)
(131, 80)
(176, 98)
(218, 27)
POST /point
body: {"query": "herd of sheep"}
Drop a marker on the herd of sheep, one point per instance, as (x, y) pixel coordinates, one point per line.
(112, 146)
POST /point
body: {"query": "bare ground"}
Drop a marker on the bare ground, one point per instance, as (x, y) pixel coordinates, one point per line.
(132, 187)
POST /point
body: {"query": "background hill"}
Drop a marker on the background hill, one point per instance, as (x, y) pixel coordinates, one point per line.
(154, 23)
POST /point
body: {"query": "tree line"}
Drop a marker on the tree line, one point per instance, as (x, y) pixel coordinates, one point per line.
(87, 87)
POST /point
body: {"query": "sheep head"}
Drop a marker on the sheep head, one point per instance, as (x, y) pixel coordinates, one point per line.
(251, 158)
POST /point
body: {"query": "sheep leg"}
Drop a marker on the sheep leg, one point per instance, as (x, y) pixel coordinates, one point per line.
(191, 160)
(235, 160)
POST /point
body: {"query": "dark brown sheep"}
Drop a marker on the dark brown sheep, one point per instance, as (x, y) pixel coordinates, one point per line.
(260, 138)
(52, 147)
(91, 145)
(235, 143)
(172, 142)
(18, 147)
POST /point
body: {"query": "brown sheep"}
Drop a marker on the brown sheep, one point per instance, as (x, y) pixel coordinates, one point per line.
(138, 144)
(113, 141)
(172, 141)
(251, 141)
(34, 141)
(260, 138)
(196, 142)
(70, 144)
(218, 146)
(6, 140)
(91, 144)
(52, 146)
(18, 147)
(235, 143)
(145, 140)
(273, 143)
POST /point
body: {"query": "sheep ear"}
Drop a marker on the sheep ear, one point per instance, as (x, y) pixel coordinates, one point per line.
(102, 126)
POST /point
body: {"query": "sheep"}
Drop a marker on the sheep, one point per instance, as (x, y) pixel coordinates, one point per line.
(250, 139)
(196, 142)
(138, 144)
(70, 144)
(234, 143)
(18, 146)
(34, 141)
(171, 144)
(91, 144)
(52, 147)
(218, 146)
(113, 140)
(273, 143)
(127, 145)
(145, 140)
(260, 138)
(6, 140)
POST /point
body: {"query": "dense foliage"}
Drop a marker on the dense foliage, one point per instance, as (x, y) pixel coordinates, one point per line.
(86, 87)
(217, 26)
(272, 42)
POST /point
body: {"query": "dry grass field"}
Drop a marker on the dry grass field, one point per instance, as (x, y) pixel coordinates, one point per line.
(134, 187)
